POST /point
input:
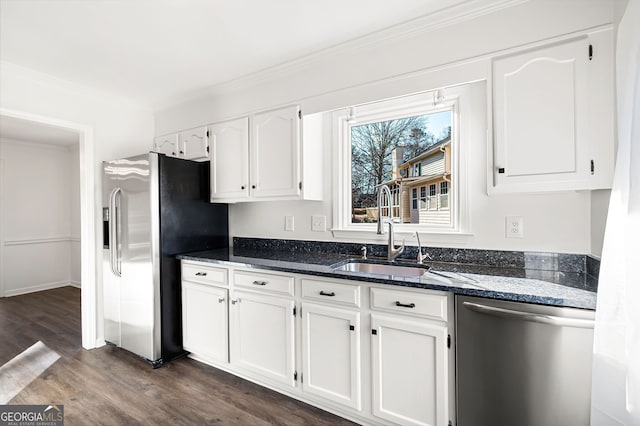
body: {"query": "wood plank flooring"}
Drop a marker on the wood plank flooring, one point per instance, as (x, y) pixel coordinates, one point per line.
(110, 386)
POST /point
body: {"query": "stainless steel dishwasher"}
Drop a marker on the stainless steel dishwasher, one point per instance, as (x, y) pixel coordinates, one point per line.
(522, 364)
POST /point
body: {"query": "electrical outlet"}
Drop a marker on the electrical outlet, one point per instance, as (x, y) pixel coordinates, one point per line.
(514, 227)
(288, 223)
(318, 223)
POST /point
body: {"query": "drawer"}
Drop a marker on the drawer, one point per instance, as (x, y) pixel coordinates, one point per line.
(260, 281)
(412, 303)
(331, 292)
(202, 273)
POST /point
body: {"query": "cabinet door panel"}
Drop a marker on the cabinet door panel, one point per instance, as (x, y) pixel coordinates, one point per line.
(230, 159)
(331, 353)
(193, 144)
(167, 145)
(263, 336)
(409, 363)
(541, 104)
(205, 321)
(275, 148)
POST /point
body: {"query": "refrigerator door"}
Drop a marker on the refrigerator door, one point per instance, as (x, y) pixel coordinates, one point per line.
(131, 296)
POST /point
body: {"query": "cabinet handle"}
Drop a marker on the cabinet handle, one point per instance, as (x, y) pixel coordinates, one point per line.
(260, 283)
(233, 302)
(221, 300)
(242, 187)
(404, 305)
(500, 170)
(173, 153)
(253, 187)
(201, 274)
(323, 293)
(181, 152)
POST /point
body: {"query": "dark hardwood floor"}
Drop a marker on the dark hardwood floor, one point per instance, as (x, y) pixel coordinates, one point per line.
(111, 386)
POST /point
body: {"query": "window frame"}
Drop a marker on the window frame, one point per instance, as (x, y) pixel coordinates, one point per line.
(424, 103)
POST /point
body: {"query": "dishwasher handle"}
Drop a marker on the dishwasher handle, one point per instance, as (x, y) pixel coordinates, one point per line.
(529, 316)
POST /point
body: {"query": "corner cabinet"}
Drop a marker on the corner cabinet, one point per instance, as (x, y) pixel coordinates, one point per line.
(553, 116)
(272, 155)
(191, 144)
(371, 353)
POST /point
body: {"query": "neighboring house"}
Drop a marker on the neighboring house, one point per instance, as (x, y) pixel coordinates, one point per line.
(421, 186)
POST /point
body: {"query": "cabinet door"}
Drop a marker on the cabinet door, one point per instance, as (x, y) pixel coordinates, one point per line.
(262, 336)
(541, 108)
(275, 153)
(167, 145)
(193, 144)
(410, 376)
(229, 142)
(331, 353)
(205, 321)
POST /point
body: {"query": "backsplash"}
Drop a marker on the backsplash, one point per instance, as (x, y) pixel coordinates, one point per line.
(559, 262)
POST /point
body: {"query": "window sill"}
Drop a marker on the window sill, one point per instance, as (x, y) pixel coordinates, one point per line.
(430, 236)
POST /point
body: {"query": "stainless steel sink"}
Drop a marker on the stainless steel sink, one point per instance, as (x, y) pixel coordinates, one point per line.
(397, 270)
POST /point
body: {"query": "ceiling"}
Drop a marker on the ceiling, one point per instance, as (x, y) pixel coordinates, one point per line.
(31, 131)
(154, 51)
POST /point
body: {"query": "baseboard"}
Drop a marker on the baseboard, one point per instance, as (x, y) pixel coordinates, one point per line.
(76, 284)
(35, 288)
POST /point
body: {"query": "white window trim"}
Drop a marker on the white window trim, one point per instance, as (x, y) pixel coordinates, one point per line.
(405, 106)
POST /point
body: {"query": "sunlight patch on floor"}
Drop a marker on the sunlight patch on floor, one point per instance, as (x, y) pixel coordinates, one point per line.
(18, 372)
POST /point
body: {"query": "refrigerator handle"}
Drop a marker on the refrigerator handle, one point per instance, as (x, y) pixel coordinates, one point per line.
(115, 231)
(529, 316)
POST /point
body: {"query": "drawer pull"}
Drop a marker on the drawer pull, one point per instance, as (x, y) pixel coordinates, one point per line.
(260, 282)
(201, 274)
(221, 300)
(323, 293)
(405, 305)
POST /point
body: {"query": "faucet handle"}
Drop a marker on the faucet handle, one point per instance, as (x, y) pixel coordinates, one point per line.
(422, 257)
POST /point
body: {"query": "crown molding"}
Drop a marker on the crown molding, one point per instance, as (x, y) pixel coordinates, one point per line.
(410, 29)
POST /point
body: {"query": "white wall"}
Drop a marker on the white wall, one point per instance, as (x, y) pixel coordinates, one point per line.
(36, 216)
(394, 63)
(74, 203)
(118, 128)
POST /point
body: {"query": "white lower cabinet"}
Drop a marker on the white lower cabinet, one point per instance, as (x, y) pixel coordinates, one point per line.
(331, 353)
(371, 353)
(262, 336)
(205, 321)
(410, 371)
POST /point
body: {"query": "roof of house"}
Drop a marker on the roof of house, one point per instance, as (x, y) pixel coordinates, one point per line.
(428, 152)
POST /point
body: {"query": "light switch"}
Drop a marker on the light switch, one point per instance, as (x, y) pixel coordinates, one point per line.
(288, 223)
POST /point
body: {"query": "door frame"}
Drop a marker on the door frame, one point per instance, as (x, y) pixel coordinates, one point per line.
(88, 221)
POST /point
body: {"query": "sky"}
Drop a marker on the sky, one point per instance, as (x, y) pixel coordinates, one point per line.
(438, 121)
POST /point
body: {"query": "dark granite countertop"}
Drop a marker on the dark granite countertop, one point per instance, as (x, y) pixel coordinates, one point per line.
(569, 289)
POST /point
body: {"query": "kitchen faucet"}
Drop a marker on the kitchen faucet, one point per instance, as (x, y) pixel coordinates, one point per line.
(421, 257)
(392, 250)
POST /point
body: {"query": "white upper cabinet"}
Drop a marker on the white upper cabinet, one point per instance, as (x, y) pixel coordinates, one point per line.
(553, 116)
(273, 155)
(167, 145)
(229, 144)
(193, 144)
(275, 149)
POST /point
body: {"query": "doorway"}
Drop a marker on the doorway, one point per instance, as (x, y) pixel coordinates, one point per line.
(82, 241)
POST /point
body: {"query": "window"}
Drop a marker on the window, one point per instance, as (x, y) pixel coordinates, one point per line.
(433, 201)
(376, 143)
(444, 195)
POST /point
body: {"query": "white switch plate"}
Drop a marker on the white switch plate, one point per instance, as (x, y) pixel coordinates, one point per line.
(288, 223)
(318, 223)
(514, 227)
